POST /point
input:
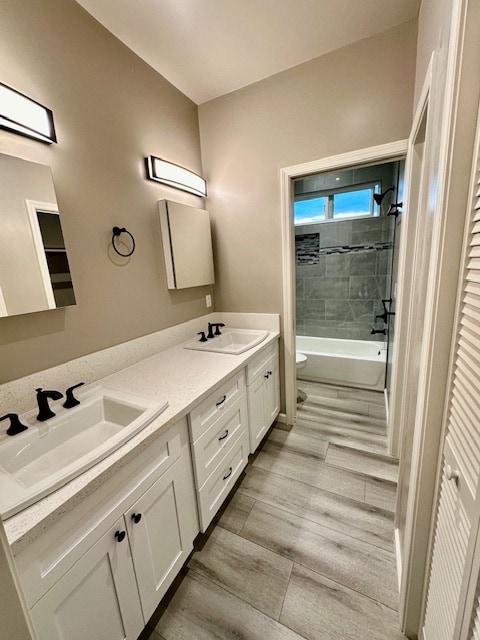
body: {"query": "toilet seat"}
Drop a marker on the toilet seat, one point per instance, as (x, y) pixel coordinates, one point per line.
(300, 359)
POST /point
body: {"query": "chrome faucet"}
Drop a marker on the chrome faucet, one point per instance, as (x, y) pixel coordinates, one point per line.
(44, 411)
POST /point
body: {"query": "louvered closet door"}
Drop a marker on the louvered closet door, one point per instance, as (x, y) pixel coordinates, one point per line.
(452, 611)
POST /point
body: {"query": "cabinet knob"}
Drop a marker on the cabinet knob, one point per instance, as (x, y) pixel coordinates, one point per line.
(120, 535)
(267, 375)
(136, 517)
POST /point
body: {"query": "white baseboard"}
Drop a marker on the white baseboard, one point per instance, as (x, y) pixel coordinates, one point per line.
(282, 417)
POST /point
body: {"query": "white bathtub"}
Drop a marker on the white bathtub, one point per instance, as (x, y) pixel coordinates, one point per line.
(353, 363)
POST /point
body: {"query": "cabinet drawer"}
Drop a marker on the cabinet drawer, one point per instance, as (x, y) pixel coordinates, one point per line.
(219, 484)
(259, 363)
(213, 445)
(205, 414)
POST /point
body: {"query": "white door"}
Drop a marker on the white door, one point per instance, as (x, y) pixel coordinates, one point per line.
(96, 598)
(452, 599)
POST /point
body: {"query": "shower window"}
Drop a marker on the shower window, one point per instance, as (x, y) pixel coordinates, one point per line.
(310, 210)
(340, 204)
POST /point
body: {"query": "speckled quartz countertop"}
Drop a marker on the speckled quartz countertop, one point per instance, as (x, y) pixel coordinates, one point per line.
(180, 376)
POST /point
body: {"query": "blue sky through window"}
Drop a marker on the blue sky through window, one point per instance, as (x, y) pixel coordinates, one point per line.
(312, 210)
(347, 204)
(352, 203)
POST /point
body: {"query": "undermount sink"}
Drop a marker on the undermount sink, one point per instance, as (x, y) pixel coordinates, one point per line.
(232, 341)
(49, 454)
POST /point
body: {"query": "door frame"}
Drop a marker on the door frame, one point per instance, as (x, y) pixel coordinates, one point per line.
(34, 207)
(371, 155)
(453, 105)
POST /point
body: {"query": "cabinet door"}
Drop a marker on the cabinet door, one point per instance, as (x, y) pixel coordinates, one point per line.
(161, 526)
(256, 414)
(271, 393)
(96, 598)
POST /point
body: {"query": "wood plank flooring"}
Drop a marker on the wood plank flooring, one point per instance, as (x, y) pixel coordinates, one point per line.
(304, 548)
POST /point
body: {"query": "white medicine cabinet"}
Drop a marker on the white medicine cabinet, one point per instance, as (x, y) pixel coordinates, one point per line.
(187, 245)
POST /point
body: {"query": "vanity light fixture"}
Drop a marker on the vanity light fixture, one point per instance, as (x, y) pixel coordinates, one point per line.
(21, 114)
(175, 176)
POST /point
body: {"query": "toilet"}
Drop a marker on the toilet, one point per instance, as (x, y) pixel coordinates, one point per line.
(300, 361)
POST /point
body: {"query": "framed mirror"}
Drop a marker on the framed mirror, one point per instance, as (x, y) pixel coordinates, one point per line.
(34, 270)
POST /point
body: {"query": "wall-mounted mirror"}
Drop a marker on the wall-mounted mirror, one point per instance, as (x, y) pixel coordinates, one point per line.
(187, 245)
(34, 271)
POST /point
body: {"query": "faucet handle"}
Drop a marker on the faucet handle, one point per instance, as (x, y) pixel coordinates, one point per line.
(15, 425)
(202, 335)
(217, 330)
(383, 316)
(71, 401)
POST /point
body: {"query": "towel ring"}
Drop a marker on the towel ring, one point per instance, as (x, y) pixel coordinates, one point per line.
(116, 232)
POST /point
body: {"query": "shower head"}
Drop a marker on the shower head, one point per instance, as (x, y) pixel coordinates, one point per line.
(378, 197)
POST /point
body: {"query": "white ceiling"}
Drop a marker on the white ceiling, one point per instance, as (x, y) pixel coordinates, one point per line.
(207, 48)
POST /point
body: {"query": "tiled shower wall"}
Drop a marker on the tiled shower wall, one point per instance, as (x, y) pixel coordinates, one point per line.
(339, 296)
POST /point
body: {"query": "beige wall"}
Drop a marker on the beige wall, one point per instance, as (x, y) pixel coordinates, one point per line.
(433, 33)
(356, 97)
(110, 110)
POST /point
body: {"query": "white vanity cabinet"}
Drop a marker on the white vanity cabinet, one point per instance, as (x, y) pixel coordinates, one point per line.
(96, 598)
(101, 570)
(263, 392)
(220, 444)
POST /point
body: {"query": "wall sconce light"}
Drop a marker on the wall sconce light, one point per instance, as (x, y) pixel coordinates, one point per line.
(23, 115)
(175, 176)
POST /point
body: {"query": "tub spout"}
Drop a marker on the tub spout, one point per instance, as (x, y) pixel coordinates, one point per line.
(374, 331)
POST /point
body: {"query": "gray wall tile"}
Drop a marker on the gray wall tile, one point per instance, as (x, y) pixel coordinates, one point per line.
(326, 288)
(363, 263)
(338, 264)
(311, 310)
(349, 310)
(340, 296)
(368, 287)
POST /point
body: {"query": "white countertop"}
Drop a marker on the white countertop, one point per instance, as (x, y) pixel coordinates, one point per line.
(180, 376)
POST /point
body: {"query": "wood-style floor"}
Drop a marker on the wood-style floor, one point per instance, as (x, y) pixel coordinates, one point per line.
(304, 548)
